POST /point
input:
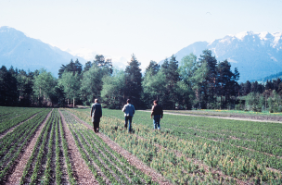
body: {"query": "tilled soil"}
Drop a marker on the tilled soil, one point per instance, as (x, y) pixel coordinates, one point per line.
(133, 160)
(97, 168)
(17, 173)
(81, 171)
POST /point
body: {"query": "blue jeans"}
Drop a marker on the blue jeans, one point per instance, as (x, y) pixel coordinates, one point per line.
(157, 120)
(128, 119)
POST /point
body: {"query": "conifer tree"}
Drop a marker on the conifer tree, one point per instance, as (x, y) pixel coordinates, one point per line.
(206, 79)
(133, 78)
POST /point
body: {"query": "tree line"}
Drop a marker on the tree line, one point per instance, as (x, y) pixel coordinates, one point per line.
(192, 83)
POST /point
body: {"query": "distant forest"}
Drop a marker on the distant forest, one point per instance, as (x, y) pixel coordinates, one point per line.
(194, 83)
(271, 77)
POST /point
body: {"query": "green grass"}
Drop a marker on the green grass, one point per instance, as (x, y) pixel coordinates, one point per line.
(225, 112)
(212, 141)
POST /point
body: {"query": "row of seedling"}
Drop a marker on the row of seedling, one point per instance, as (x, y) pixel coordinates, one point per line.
(114, 167)
(14, 120)
(34, 163)
(231, 160)
(13, 143)
(167, 163)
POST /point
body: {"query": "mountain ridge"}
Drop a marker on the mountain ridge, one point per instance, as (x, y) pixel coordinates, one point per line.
(23, 52)
(256, 55)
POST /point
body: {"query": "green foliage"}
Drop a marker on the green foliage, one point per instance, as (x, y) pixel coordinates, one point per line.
(91, 84)
(44, 86)
(154, 85)
(71, 85)
(113, 89)
(8, 87)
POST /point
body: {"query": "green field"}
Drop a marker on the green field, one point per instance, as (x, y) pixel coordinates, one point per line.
(226, 112)
(187, 150)
(244, 150)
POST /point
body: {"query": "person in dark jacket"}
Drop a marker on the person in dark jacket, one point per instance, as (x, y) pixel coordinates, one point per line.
(129, 111)
(157, 112)
(96, 114)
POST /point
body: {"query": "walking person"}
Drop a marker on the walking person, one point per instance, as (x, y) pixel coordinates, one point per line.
(96, 114)
(129, 111)
(157, 112)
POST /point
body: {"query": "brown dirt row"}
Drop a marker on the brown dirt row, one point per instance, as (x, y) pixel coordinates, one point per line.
(102, 162)
(42, 167)
(105, 156)
(117, 159)
(3, 134)
(97, 168)
(81, 171)
(17, 173)
(133, 160)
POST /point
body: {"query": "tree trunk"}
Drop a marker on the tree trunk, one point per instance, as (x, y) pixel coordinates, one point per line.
(73, 102)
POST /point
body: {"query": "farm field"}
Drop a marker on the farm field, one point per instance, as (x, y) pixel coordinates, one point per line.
(231, 114)
(49, 146)
(219, 151)
(58, 146)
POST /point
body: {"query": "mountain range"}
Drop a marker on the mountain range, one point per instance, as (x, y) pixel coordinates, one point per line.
(256, 55)
(22, 52)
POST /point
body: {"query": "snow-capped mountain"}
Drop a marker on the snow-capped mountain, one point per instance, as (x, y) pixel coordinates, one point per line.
(26, 53)
(256, 55)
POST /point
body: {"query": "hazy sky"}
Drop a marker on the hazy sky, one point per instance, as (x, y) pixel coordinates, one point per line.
(151, 29)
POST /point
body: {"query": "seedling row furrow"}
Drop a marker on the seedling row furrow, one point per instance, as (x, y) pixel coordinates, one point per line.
(13, 114)
(138, 176)
(66, 155)
(29, 132)
(37, 154)
(48, 176)
(14, 143)
(202, 156)
(113, 169)
(258, 145)
(93, 167)
(123, 169)
(15, 111)
(12, 138)
(59, 167)
(175, 168)
(16, 120)
(210, 157)
(42, 159)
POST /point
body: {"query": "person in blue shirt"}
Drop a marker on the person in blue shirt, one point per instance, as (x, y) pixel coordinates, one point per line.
(96, 114)
(129, 111)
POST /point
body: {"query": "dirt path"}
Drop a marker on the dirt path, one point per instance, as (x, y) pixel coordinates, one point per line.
(81, 170)
(219, 117)
(3, 134)
(16, 175)
(133, 160)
